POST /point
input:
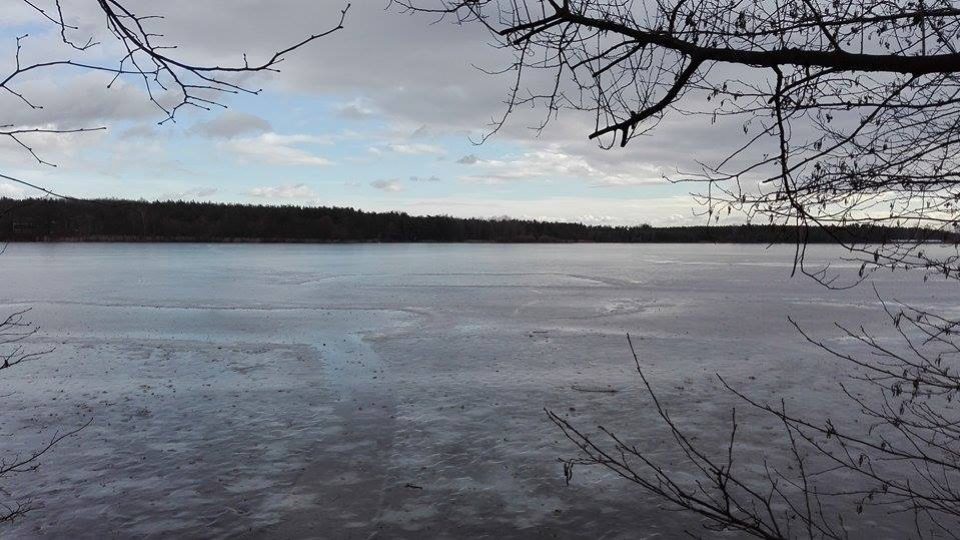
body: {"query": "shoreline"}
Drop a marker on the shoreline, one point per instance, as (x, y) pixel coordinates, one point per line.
(317, 241)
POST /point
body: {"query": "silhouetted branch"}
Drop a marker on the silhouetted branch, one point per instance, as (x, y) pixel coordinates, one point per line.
(15, 333)
(850, 113)
(906, 459)
(168, 81)
(862, 95)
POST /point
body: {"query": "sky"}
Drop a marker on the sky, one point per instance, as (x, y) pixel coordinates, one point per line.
(387, 114)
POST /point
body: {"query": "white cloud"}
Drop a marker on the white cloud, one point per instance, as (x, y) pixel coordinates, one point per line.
(415, 149)
(11, 191)
(289, 191)
(191, 194)
(276, 149)
(554, 164)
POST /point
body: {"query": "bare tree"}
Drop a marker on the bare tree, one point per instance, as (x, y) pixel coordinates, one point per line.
(15, 333)
(848, 109)
(901, 460)
(850, 116)
(169, 82)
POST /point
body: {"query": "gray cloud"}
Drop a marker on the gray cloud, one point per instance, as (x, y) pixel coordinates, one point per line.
(357, 109)
(388, 65)
(392, 186)
(140, 131)
(77, 101)
(424, 178)
(392, 64)
(231, 124)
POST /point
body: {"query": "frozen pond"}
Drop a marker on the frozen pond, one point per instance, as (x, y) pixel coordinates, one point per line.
(358, 391)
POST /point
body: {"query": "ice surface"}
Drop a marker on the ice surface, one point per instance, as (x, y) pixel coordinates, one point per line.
(344, 391)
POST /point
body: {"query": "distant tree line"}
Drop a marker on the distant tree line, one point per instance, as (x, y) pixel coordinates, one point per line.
(45, 219)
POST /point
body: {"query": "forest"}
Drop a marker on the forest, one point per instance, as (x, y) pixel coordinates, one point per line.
(114, 220)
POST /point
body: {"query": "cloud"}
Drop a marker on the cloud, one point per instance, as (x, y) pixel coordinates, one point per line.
(66, 150)
(424, 178)
(427, 94)
(289, 191)
(191, 194)
(231, 124)
(422, 132)
(76, 101)
(417, 149)
(358, 109)
(553, 164)
(392, 186)
(276, 149)
(592, 219)
(140, 131)
(17, 13)
(407, 149)
(430, 80)
(9, 190)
